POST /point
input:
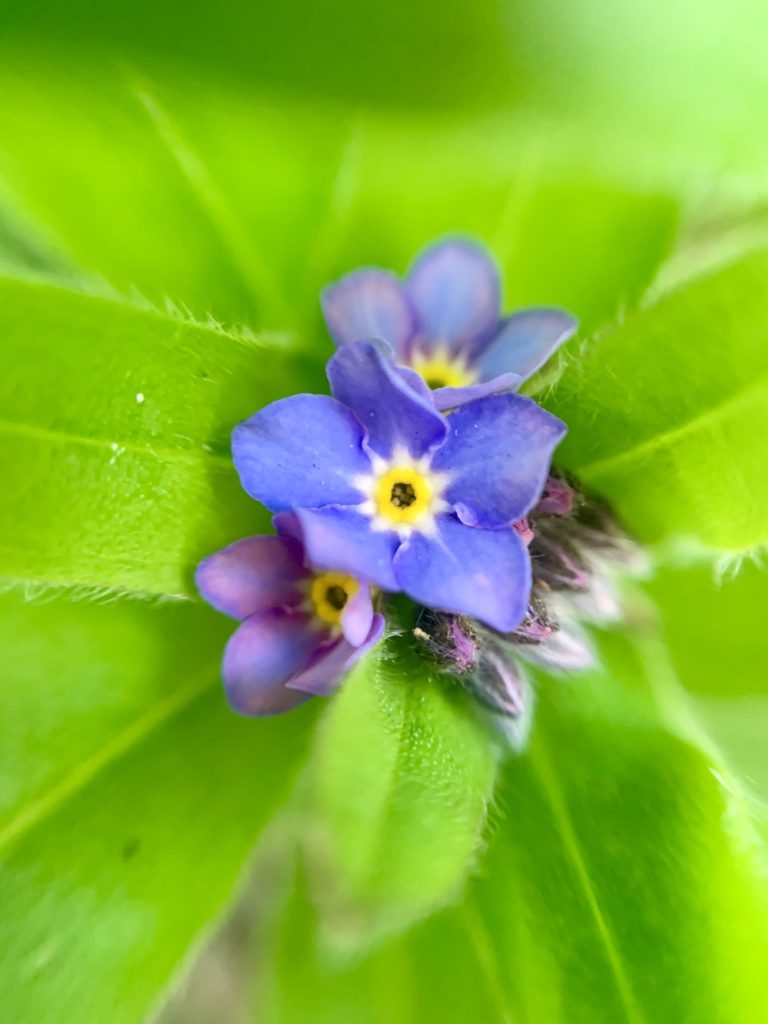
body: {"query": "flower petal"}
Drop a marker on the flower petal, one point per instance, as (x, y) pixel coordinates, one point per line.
(265, 653)
(453, 398)
(456, 291)
(342, 540)
(364, 377)
(369, 303)
(357, 616)
(304, 450)
(525, 342)
(485, 574)
(251, 575)
(326, 672)
(498, 453)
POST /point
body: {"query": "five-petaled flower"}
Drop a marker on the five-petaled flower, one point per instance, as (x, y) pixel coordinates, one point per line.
(391, 491)
(300, 629)
(444, 321)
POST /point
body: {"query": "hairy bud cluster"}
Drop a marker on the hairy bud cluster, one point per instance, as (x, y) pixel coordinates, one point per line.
(578, 551)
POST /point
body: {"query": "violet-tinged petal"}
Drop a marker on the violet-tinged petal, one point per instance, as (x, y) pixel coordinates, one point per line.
(287, 525)
(328, 668)
(369, 303)
(455, 288)
(498, 453)
(453, 398)
(265, 652)
(300, 451)
(525, 341)
(357, 616)
(364, 377)
(342, 540)
(485, 574)
(251, 575)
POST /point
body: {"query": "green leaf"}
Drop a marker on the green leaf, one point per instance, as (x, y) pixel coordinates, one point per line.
(667, 414)
(130, 802)
(435, 972)
(715, 632)
(115, 425)
(629, 859)
(243, 207)
(399, 785)
(622, 883)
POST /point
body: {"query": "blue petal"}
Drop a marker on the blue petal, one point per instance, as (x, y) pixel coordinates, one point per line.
(453, 398)
(265, 653)
(485, 574)
(525, 342)
(304, 450)
(369, 303)
(251, 575)
(363, 376)
(341, 540)
(498, 453)
(327, 670)
(456, 290)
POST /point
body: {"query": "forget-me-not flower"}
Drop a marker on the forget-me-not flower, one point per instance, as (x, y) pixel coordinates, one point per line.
(444, 321)
(300, 629)
(393, 492)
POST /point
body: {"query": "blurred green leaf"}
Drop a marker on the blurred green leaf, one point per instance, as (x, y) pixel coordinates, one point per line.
(626, 883)
(436, 972)
(243, 206)
(127, 811)
(622, 883)
(399, 786)
(667, 414)
(716, 636)
(115, 429)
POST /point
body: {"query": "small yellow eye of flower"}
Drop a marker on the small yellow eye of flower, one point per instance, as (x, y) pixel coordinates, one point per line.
(439, 370)
(329, 593)
(402, 495)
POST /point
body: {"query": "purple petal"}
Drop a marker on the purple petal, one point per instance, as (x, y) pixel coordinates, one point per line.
(416, 383)
(265, 653)
(327, 670)
(287, 525)
(498, 451)
(455, 288)
(341, 540)
(485, 574)
(525, 341)
(251, 575)
(364, 377)
(357, 616)
(369, 303)
(453, 398)
(304, 450)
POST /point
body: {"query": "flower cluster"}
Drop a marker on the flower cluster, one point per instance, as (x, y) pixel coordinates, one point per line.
(423, 473)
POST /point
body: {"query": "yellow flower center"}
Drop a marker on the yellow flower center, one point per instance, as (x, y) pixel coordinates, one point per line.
(402, 495)
(329, 593)
(439, 369)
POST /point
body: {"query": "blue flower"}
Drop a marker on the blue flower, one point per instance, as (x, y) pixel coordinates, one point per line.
(300, 629)
(444, 321)
(388, 489)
